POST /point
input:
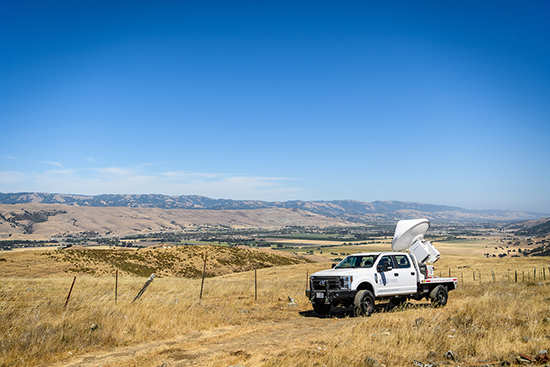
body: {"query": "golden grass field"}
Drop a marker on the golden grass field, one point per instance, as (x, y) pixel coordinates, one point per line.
(486, 321)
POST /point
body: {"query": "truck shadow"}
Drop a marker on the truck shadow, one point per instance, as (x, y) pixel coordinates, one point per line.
(342, 312)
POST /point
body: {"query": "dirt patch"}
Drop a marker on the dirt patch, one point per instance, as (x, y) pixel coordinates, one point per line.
(251, 345)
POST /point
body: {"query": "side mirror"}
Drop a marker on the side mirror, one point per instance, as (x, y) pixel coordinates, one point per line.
(384, 267)
(333, 265)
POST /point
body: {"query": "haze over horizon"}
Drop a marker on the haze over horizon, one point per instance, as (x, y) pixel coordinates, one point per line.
(444, 103)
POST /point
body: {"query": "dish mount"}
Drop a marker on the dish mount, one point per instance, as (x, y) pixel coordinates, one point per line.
(409, 235)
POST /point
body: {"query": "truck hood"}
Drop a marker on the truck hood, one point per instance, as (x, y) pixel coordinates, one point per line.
(335, 272)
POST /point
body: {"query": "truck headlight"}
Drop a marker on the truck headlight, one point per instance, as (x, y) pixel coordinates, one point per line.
(346, 282)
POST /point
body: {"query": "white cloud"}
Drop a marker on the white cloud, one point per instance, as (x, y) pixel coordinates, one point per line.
(124, 180)
(53, 163)
(116, 171)
(183, 175)
(12, 178)
(59, 172)
(235, 187)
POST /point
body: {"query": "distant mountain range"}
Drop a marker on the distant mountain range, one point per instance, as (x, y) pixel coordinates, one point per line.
(348, 210)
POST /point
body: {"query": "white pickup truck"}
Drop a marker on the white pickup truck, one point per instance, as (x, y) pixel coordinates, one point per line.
(361, 279)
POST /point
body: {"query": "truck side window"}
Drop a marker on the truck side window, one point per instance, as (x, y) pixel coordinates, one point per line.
(402, 261)
(387, 259)
(367, 261)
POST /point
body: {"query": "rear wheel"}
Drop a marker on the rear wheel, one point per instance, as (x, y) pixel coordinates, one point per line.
(364, 303)
(439, 296)
(321, 308)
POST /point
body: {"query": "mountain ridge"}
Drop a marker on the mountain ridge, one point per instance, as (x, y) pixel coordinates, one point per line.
(349, 210)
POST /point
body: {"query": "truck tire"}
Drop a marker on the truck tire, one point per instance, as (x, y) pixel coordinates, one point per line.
(364, 303)
(321, 308)
(439, 296)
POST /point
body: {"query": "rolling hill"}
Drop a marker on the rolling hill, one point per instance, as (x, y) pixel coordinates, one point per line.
(348, 210)
(172, 261)
(40, 221)
(41, 215)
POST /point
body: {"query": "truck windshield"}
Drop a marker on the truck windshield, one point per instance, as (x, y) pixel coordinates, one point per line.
(365, 261)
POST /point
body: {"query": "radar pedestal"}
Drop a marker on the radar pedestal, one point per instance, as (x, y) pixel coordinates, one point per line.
(409, 235)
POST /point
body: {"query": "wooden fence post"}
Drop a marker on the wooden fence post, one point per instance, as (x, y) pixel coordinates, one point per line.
(203, 272)
(516, 275)
(255, 286)
(493, 274)
(69, 295)
(116, 286)
(147, 282)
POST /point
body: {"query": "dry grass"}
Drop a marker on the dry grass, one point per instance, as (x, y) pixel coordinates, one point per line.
(34, 326)
(481, 324)
(484, 322)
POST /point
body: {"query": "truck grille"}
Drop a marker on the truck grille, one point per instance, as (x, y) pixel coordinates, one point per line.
(317, 283)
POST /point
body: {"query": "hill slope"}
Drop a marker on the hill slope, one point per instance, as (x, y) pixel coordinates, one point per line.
(533, 228)
(181, 261)
(50, 220)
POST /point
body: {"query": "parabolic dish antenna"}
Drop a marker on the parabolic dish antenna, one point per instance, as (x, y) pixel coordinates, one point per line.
(407, 232)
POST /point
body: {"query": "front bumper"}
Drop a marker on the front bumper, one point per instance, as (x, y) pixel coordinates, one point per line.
(331, 296)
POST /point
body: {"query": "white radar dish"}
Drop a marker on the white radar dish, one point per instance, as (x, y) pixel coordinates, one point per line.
(407, 232)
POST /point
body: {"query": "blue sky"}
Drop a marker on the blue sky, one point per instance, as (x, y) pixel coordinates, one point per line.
(442, 102)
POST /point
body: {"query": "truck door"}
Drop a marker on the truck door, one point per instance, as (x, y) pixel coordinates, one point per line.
(405, 273)
(399, 278)
(386, 281)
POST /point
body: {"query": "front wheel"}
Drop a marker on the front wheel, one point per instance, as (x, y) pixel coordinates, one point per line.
(439, 296)
(321, 308)
(364, 303)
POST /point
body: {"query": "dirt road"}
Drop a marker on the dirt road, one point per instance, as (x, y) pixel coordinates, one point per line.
(236, 345)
